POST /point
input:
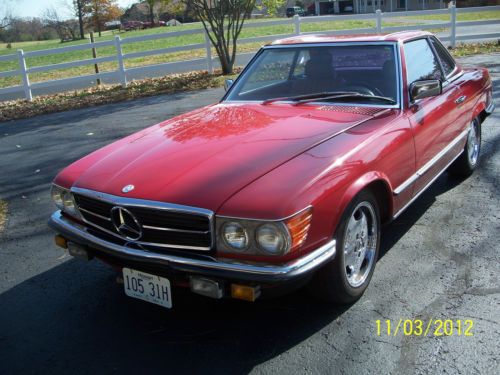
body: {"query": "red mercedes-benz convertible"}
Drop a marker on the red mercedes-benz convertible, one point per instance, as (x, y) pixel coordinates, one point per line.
(287, 180)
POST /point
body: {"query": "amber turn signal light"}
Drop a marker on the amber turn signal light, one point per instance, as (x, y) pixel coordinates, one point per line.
(61, 241)
(298, 226)
(245, 292)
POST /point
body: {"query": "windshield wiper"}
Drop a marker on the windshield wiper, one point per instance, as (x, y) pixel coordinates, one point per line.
(313, 96)
(350, 95)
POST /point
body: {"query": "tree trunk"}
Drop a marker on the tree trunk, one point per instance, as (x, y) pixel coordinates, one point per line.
(151, 15)
(225, 64)
(80, 18)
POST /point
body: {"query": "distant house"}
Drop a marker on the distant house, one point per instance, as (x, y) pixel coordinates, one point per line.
(325, 7)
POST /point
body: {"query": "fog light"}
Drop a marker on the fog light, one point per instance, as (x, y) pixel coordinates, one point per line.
(79, 251)
(61, 241)
(245, 292)
(206, 287)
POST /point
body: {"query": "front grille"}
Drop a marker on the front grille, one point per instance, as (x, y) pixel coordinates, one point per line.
(161, 226)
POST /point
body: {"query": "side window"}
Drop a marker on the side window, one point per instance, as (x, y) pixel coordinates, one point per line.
(421, 64)
(444, 57)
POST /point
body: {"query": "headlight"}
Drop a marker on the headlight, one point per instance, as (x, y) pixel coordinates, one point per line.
(64, 200)
(270, 239)
(57, 193)
(261, 237)
(235, 236)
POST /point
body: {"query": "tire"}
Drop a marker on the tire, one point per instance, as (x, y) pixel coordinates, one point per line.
(467, 162)
(346, 277)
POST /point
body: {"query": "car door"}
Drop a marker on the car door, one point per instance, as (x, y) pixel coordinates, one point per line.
(462, 103)
(431, 118)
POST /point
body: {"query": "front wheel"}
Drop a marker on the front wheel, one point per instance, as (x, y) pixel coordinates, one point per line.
(467, 162)
(344, 279)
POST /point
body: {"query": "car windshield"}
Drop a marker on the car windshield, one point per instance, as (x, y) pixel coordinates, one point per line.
(298, 71)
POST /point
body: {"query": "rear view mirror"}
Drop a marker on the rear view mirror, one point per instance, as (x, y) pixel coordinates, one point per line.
(228, 83)
(425, 89)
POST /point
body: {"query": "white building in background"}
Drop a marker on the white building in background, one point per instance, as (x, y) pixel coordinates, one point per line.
(369, 6)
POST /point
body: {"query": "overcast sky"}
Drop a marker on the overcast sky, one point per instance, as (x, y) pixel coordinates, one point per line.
(35, 8)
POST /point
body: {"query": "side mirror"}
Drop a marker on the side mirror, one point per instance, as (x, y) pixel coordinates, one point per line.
(425, 89)
(228, 83)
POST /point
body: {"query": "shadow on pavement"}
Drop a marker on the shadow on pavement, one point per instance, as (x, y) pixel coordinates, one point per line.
(75, 317)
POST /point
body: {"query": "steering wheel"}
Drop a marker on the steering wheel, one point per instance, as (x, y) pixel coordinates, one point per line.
(362, 89)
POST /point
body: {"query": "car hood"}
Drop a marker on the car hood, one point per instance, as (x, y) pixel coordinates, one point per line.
(204, 157)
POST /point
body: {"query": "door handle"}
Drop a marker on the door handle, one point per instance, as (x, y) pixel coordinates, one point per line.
(461, 99)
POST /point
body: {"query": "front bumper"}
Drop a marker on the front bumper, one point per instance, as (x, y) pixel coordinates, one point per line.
(211, 267)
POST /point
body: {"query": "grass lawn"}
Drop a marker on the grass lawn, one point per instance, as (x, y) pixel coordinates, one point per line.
(3, 214)
(476, 16)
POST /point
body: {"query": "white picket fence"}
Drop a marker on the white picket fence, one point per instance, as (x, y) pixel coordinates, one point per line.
(122, 73)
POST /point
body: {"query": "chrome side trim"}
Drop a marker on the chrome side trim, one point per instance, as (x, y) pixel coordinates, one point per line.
(489, 110)
(425, 187)
(430, 163)
(227, 268)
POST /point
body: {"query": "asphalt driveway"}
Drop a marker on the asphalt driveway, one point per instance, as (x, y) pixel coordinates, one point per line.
(440, 260)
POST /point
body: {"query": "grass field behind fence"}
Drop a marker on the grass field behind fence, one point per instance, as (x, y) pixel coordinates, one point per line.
(180, 41)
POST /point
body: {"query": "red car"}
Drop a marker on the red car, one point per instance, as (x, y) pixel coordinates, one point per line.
(287, 180)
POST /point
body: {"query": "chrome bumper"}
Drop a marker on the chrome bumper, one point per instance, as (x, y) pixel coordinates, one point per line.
(216, 268)
(490, 108)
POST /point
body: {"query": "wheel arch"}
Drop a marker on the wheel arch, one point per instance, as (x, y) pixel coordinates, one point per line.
(379, 185)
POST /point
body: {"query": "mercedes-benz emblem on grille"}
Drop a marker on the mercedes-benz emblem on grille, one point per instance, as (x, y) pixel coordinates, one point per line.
(128, 188)
(125, 223)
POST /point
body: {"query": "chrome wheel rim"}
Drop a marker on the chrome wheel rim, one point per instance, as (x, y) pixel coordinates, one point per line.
(473, 143)
(360, 244)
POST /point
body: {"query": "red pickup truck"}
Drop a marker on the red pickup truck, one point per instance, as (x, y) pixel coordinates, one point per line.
(287, 180)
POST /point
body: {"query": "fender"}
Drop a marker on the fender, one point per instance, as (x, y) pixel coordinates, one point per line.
(359, 185)
(479, 107)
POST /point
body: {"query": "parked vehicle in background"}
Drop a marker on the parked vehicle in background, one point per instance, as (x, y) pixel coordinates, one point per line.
(292, 11)
(132, 25)
(288, 180)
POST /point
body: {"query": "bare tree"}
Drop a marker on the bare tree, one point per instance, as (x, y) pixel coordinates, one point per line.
(5, 14)
(223, 21)
(65, 29)
(155, 7)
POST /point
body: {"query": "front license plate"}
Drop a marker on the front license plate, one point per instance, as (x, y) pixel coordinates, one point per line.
(150, 288)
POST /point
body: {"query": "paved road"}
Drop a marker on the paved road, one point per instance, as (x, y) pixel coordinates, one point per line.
(200, 64)
(58, 315)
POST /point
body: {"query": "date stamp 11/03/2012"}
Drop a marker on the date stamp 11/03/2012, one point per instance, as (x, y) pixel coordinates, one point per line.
(423, 328)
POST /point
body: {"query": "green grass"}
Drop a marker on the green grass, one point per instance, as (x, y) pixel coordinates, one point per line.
(179, 41)
(476, 16)
(3, 214)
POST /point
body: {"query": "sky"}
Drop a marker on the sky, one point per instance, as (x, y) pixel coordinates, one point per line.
(35, 8)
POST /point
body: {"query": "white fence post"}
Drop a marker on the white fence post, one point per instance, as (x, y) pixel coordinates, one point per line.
(208, 46)
(378, 20)
(121, 63)
(24, 75)
(296, 21)
(453, 26)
